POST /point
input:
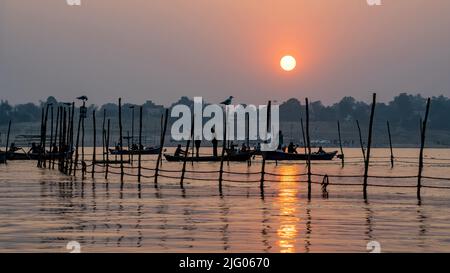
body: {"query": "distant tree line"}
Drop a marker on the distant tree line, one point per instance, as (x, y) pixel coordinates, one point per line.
(404, 111)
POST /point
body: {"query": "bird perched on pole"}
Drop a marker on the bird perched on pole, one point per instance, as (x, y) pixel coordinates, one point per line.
(83, 98)
(227, 101)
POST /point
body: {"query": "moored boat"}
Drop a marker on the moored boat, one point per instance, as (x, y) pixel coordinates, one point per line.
(231, 157)
(281, 156)
(35, 156)
(146, 151)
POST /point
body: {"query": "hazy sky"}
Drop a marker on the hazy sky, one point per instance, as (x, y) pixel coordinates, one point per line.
(163, 49)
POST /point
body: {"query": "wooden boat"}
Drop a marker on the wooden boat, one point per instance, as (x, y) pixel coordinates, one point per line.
(232, 157)
(35, 156)
(2, 157)
(280, 156)
(146, 151)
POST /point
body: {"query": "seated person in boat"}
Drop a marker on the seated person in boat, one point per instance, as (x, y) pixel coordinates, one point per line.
(34, 149)
(321, 151)
(179, 151)
(292, 149)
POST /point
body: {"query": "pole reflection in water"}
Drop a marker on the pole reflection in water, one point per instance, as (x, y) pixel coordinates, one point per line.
(287, 201)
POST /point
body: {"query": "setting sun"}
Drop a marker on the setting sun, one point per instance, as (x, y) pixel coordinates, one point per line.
(288, 63)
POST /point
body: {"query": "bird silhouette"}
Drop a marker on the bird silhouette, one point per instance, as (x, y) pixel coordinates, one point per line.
(83, 98)
(227, 101)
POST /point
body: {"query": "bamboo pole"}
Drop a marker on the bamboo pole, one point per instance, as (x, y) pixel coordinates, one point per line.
(51, 136)
(121, 143)
(107, 149)
(77, 145)
(224, 147)
(41, 140)
(140, 147)
(369, 143)
(104, 136)
(163, 136)
(340, 143)
(7, 141)
(45, 133)
(422, 145)
(390, 144)
(83, 164)
(66, 140)
(263, 164)
(247, 123)
(308, 144)
(58, 117)
(303, 134)
(63, 142)
(71, 136)
(183, 170)
(132, 133)
(94, 147)
(361, 141)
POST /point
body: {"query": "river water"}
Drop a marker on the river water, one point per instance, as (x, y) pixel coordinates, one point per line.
(42, 210)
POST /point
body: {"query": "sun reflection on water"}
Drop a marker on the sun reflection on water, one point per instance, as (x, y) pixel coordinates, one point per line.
(287, 201)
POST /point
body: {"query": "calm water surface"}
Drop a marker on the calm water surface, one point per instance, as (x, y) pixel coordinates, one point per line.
(42, 210)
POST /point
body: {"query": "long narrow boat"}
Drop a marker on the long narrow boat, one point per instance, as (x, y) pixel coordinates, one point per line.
(233, 157)
(146, 151)
(35, 156)
(281, 156)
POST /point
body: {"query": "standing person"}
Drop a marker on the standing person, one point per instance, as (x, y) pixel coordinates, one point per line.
(214, 141)
(198, 142)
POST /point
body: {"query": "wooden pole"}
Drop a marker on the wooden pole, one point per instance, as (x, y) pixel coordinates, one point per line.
(132, 133)
(58, 117)
(121, 143)
(39, 164)
(140, 146)
(369, 143)
(82, 146)
(340, 143)
(7, 141)
(77, 145)
(107, 149)
(224, 147)
(63, 142)
(163, 136)
(94, 147)
(263, 164)
(183, 170)
(303, 134)
(104, 137)
(361, 141)
(51, 136)
(66, 140)
(247, 124)
(71, 136)
(422, 145)
(390, 144)
(308, 144)
(61, 139)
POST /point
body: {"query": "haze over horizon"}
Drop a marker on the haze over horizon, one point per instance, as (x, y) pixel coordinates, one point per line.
(155, 50)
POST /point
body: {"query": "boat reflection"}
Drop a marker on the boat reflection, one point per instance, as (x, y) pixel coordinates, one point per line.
(287, 202)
